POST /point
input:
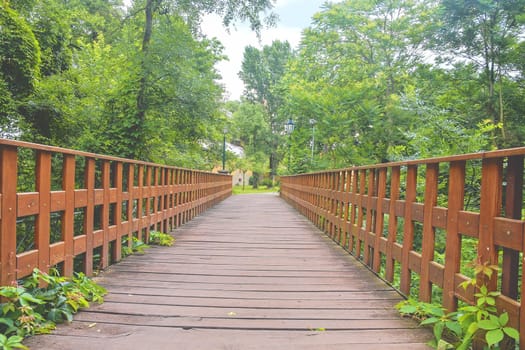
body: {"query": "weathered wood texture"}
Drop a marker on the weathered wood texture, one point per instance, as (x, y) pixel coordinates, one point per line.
(251, 273)
(413, 216)
(84, 206)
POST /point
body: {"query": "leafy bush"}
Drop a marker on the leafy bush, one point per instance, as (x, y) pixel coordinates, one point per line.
(478, 323)
(41, 301)
(162, 239)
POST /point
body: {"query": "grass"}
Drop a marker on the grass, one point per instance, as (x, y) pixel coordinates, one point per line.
(250, 190)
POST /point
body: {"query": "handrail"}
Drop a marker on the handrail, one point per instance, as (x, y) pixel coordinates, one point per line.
(84, 207)
(408, 221)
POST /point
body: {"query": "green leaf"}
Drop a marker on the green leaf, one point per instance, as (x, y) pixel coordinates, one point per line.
(503, 319)
(494, 337)
(455, 327)
(488, 325)
(430, 320)
(512, 332)
(438, 330)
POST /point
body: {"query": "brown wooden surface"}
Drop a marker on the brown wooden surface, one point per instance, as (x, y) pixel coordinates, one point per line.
(476, 199)
(150, 203)
(251, 273)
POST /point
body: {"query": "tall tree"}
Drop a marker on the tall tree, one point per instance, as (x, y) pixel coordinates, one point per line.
(484, 33)
(354, 66)
(230, 10)
(261, 73)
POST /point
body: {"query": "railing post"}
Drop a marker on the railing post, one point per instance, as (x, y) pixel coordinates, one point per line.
(43, 220)
(68, 216)
(117, 214)
(395, 181)
(427, 254)
(8, 183)
(456, 194)
(513, 207)
(89, 182)
(369, 226)
(105, 213)
(490, 206)
(408, 229)
(379, 220)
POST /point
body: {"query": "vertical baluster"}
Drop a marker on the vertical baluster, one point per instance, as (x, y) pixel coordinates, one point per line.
(369, 227)
(379, 220)
(140, 195)
(427, 254)
(117, 214)
(131, 203)
(106, 170)
(68, 216)
(490, 206)
(8, 183)
(456, 193)
(89, 217)
(408, 229)
(43, 220)
(392, 222)
(513, 207)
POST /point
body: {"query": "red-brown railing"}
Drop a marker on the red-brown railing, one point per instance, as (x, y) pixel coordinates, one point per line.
(411, 222)
(84, 207)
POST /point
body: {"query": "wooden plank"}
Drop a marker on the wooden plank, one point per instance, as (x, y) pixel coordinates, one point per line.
(408, 229)
(513, 207)
(68, 215)
(270, 272)
(106, 169)
(379, 219)
(42, 222)
(8, 183)
(490, 207)
(392, 222)
(427, 253)
(456, 192)
(89, 183)
(117, 214)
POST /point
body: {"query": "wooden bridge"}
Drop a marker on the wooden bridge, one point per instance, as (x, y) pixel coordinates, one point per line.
(251, 273)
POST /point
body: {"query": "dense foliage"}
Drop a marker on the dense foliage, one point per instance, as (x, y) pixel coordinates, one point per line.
(134, 81)
(370, 82)
(378, 81)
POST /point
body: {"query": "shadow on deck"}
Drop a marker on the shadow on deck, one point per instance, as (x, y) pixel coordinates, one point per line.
(251, 273)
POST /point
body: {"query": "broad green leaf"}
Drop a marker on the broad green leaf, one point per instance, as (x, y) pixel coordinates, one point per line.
(455, 327)
(488, 325)
(430, 320)
(494, 337)
(504, 319)
(512, 332)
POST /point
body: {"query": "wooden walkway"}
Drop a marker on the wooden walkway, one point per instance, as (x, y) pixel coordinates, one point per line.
(251, 273)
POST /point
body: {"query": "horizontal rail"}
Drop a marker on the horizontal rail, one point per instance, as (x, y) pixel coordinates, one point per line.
(78, 210)
(413, 222)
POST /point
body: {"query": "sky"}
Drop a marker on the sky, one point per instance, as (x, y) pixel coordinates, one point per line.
(294, 16)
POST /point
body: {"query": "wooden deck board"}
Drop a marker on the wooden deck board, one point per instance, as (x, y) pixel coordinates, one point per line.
(251, 273)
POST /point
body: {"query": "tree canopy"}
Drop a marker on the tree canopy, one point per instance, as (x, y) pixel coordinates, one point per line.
(370, 81)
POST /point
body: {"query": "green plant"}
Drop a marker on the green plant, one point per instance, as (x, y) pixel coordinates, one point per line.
(162, 239)
(479, 323)
(137, 246)
(13, 342)
(41, 301)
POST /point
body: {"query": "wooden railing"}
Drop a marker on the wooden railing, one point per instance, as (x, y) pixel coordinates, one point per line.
(73, 209)
(418, 223)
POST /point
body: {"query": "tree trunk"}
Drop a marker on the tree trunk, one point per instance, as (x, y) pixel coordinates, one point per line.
(137, 130)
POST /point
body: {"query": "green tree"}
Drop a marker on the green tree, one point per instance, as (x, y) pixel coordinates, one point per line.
(192, 10)
(261, 73)
(484, 33)
(354, 66)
